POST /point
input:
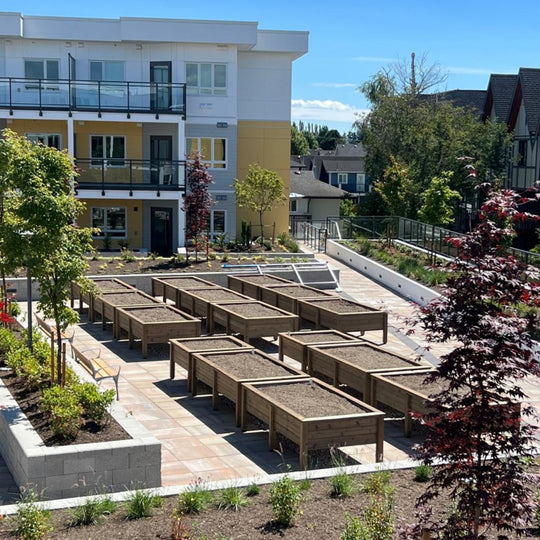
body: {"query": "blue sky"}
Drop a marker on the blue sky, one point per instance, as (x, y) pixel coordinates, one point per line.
(350, 41)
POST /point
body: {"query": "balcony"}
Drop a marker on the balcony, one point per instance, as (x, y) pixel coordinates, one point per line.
(99, 96)
(130, 174)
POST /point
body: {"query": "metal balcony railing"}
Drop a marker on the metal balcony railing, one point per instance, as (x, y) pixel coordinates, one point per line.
(100, 96)
(132, 174)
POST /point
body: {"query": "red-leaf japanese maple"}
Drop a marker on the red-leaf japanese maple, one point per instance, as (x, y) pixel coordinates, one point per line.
(481, 429)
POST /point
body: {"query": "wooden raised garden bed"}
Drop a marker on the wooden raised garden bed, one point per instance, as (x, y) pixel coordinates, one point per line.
(169, 287)
(225, 372)
(155, 324)
(197, 301)
(313, 415)
(250, 284)
(106, 303)
(354, 363)
(182, 351)
(406, 392)
(286, 296)
(102, 284)
(295, 344)
(251, 319)
(344, 315)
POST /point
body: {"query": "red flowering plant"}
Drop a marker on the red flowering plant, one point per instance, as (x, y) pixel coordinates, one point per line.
(481, 430)
(6, 319)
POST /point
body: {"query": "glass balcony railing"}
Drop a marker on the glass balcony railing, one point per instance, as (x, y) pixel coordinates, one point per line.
(132, 174)
(101, 96)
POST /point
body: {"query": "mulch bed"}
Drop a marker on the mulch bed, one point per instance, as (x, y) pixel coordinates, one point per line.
(247, 365)
(323, 517)
(30, 403)
(310, 400)
(366, 357)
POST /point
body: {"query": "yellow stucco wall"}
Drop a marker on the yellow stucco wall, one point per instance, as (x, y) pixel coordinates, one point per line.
(134, 217)
(266, 144)
(22, 127)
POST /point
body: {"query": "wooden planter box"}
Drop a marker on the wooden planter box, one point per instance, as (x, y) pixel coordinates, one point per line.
(344, 315)
(250, 284)
(286, 296)
(169, 287)
(295, 344)
(182, 351)
(358, 422)
(225, 372)
(251, 319)
(103, 285)
(402, 392)
(197, 301)
(354, 363)
(155, 324)
(106, 303)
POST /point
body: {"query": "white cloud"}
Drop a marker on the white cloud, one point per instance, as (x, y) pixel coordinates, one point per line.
(471, 71)
(335, 85)
(380, 59)
(324, 111)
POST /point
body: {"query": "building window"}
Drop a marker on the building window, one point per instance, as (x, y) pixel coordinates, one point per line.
(108, 150)
(52, 140)
(220, 197)
(218, 222)
(110, 221)
(106, 70)
(522, 153)
(293, 205)
(360, 183)
(41, 69)
(342, 178)
(206, 79)
(213, 151)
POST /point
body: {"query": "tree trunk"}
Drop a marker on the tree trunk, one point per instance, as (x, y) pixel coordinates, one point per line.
(262, 229)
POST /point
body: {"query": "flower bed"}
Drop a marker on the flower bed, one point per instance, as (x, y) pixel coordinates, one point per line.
(155, 324)
(313, 415)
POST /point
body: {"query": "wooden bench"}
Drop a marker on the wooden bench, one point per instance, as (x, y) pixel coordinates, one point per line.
(90, 360)
(50, 330)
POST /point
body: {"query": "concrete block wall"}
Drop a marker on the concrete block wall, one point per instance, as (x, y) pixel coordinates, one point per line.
(81, 469)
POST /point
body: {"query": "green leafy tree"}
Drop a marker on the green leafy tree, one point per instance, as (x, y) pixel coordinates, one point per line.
(347, 208)
(428, 136)
(397, 188)
(328, 139)
(260, 191)
(437, 201)
(311, 140)
(299, 144)
(40, 229)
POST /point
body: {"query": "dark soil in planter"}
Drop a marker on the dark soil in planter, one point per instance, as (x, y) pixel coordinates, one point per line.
(367, 357)
(247, 365)
(298, 291)
(250, 310)
(128, 299)
(208, 344)
(217, 295)
(30, 403)
(313, 337)
(158, 314)
(339, 305)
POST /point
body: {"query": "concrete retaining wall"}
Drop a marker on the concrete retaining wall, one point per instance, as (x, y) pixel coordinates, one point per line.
(381, 274)
(75, 470)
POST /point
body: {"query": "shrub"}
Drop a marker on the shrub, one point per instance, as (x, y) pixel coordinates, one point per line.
(267, 244)
(232, 498)
(16, 358)
(195, 499)
(378, 483)
(422, 473)
(285, 498)
(354, 530)
(341, 485)
(95, 404)
(92, 511)
(253, 490)
(305, 484)
(288, 243)
(33, 521)
(141, 504)
(8, 340)
(64, 409)
(127, 255)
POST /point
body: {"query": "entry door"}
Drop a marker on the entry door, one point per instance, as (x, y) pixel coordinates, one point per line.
(161, 157)
(160, 72)
(161, 231)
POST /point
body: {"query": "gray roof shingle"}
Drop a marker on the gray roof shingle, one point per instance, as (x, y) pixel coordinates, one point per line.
(502, 87)
(304, 183)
